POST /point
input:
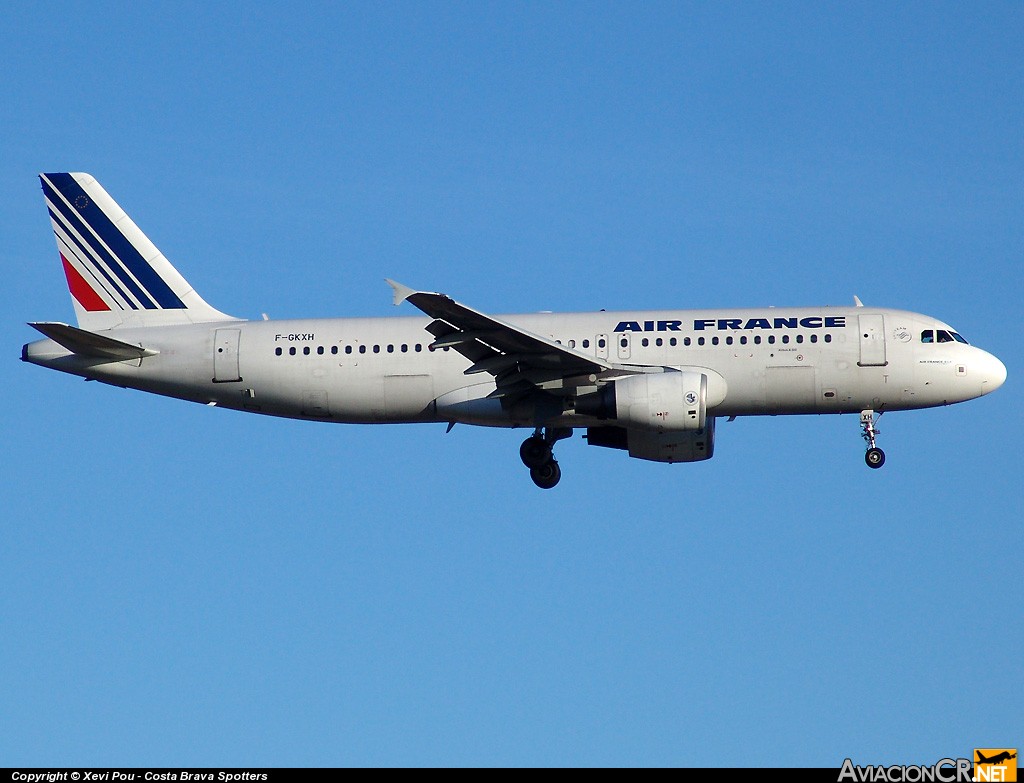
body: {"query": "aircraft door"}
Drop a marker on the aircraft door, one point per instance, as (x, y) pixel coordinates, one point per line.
(622, 344)
(872, 341)
(225, 356)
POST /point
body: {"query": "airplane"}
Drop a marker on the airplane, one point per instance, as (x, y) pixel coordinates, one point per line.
(651, 383)
(996, 759)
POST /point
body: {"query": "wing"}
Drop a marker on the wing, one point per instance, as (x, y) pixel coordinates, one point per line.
(520, 361)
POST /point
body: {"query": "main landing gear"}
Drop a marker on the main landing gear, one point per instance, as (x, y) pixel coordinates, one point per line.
(874, 456)
(538, 455)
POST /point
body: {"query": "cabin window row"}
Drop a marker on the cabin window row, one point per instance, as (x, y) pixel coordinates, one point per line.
(645, 342)
(673, 342)
(334, 350)
(741, 340)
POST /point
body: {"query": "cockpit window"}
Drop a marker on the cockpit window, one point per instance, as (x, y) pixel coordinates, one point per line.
(941, 336)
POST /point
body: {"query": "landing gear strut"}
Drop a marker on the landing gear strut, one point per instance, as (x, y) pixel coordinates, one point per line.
(538, 455)
(874, 456)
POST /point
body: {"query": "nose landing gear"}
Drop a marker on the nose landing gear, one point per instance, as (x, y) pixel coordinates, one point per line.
(538, 455)
(874, 456)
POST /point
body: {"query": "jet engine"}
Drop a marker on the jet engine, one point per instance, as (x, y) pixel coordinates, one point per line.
(674, 401)
(657, 416)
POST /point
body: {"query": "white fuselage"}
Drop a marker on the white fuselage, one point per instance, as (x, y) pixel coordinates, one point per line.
(373, 370)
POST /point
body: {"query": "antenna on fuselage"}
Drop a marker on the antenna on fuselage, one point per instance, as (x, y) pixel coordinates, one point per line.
(856, 301)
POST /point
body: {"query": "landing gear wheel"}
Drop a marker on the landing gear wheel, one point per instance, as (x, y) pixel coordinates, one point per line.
(535, 452)
(547, 475)
(875, 457)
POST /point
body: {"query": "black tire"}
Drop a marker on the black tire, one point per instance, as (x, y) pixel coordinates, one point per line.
(535, 452)
(547, 475)
(875, 458)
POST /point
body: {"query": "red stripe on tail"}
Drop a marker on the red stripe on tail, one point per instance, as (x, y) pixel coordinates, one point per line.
(81, 290)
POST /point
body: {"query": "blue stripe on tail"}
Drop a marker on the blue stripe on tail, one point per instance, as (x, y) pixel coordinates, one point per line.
(95, 251)
(87, 254)
(159, 293)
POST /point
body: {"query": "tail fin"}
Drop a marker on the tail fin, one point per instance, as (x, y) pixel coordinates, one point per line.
(117, 277)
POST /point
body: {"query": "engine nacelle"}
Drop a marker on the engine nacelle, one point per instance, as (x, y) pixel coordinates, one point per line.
(657, 402)
(691, 446)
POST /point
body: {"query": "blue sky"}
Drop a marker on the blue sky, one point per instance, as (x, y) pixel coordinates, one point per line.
(188, 586)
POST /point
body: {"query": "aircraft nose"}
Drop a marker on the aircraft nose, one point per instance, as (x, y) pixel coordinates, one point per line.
(993, 374)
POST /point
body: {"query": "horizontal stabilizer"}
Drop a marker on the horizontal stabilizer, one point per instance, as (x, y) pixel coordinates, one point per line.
(85, 343)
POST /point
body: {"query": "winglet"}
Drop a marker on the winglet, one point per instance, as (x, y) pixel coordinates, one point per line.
(402, 292)
(856, 301)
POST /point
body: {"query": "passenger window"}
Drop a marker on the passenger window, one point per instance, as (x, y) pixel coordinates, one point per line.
(799, 338)
(418, 348)
(320, 350)
(927, 336)
(305, 350)
(728, 340)
(659, 342)
(405, 348)
(601, 343)
(771, 339)
(586, 343)
(700, 341)
(644, 342)
(334, 350)
(291, 351)
(278, 351)
(814, 338)
(572, 343)
(348, 349)
(686, 341)
(624, 342)
(828, 338)
(672, 341)
(743, 340)
(714, 341)
(757, 339)
(391, 348)
(785, 339)
(376, 349)
(362, 349)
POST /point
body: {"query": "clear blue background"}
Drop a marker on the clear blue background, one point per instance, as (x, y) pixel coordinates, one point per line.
(191, 586)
